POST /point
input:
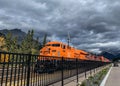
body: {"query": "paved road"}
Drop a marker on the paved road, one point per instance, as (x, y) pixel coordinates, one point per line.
(114, 77)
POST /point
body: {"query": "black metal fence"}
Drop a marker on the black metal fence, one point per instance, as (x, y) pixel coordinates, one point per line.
(27, 70)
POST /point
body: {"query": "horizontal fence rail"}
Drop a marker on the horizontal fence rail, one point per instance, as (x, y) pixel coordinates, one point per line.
(35, 70)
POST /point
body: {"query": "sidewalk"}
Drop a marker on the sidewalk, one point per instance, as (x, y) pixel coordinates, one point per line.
(82, 78)
(73, 82)
(114, 77)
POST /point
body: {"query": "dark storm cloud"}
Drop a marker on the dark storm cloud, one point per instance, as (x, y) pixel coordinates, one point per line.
(93, 25)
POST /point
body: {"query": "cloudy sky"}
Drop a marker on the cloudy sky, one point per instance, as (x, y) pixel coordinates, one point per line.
(94, 25)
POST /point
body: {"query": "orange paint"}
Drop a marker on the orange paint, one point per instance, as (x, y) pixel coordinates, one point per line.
(59, 49)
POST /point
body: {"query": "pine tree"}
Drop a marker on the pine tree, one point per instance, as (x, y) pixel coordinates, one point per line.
(15, 45)
(44, 40)
(27, 43)
(8, 41)
(36, 43)
(11, 43)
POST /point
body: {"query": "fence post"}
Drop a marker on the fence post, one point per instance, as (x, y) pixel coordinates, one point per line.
(62, 76)
(85, 69)
(28, 69)
(77, 68)
(90, 71)
(3, 68)
(94, 70)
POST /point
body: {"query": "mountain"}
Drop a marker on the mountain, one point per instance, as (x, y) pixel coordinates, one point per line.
(1, 34)
(107, 55)
(110, 55)
(118, 55)
(15, 33)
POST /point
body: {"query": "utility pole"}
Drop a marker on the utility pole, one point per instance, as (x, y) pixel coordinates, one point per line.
(68, 39)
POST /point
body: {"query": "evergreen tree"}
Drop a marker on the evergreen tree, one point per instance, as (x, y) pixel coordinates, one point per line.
(36, 43)
(15, 45)
(11, 43)
(8, 41)
(44, 40)
(27, 43)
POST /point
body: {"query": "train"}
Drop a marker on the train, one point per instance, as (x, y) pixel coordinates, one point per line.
(59, 49)
(54, 51)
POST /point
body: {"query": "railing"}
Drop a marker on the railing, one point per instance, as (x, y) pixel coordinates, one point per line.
(25, 70)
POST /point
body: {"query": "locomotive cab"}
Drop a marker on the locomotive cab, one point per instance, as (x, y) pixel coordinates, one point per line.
(57, 49)
(51, 49)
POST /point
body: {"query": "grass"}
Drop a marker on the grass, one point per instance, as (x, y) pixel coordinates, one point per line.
(96, 79)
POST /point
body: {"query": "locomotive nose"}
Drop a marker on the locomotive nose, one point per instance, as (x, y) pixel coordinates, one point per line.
(45, 51)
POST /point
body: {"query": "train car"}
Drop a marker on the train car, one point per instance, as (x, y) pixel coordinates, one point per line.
(102, 59)
(105, 59)
(60, 49)
(80, 54)
(57, 49)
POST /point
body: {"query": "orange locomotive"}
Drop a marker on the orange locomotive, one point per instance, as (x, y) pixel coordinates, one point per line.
(59, 49)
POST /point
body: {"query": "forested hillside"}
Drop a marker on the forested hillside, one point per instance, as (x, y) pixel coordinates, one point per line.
(20, 42)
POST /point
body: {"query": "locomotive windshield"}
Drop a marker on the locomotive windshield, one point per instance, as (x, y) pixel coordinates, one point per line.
(56, 45)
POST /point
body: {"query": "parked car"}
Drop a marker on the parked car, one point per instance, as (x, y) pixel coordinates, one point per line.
(115, 64)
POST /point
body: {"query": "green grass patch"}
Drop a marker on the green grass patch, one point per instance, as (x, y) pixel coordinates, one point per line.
(96, 79)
